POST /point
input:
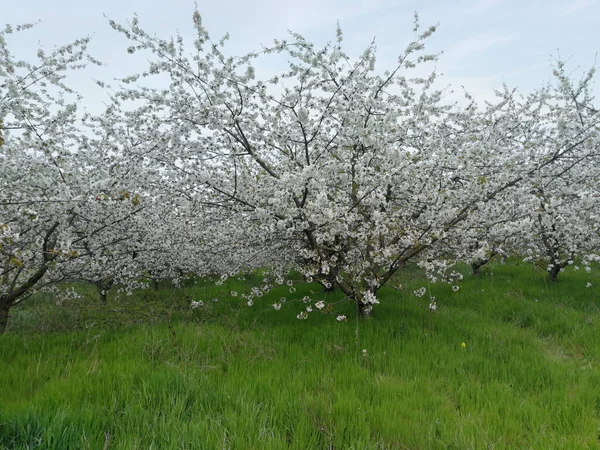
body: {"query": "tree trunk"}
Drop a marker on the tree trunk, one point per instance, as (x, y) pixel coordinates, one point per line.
(365, 310)
(477, 265)
(155, 280)
(103, 287)
(365, 305)
(101, 293)
(553, 273)
(3, 318)
(325, 280)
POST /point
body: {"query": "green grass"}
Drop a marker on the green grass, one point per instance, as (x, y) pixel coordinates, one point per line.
(228, 376)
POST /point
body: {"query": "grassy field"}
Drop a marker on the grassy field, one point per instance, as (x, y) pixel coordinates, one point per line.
(509, 361)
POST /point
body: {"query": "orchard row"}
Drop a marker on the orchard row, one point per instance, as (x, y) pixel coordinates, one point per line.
(332, 168)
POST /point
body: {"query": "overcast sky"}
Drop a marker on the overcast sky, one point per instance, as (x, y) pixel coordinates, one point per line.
(484, 43)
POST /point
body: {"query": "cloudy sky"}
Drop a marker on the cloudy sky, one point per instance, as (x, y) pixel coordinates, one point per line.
(484, 42)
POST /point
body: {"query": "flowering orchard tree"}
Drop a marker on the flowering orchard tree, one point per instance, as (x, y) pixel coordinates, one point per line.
(564, 227)
(551, 214)
(62, 211)
(329, 165)
(360, 172)
(37, 125)
(560, 201)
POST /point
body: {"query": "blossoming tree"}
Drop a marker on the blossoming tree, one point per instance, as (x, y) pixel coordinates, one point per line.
(62, 210)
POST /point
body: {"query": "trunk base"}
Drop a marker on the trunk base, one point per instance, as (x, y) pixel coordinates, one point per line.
(103, 287)
(553, 274)
(3, 318)
(365, 310)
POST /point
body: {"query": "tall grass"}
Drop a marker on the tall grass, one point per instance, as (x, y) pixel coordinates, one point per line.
(226, 376)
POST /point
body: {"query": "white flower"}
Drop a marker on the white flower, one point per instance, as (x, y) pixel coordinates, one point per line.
(234, 293)
(308, 309)
(302, 316)
(588, 284)
(364, 352)
(250, 303)
(197, 18)
(277, 306)
(320, 304)
(370, 298)
(433, 305)
(420, 292)
(197, 304)
(341, 318)
(455, 288)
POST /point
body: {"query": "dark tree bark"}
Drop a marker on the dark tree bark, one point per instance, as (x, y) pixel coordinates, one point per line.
(101, 293)
(3, 318)
(364, 310)
(553, 273)
(476, 267)
(16, 291)
(328, 282)
(103, 287)
(478, 264)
